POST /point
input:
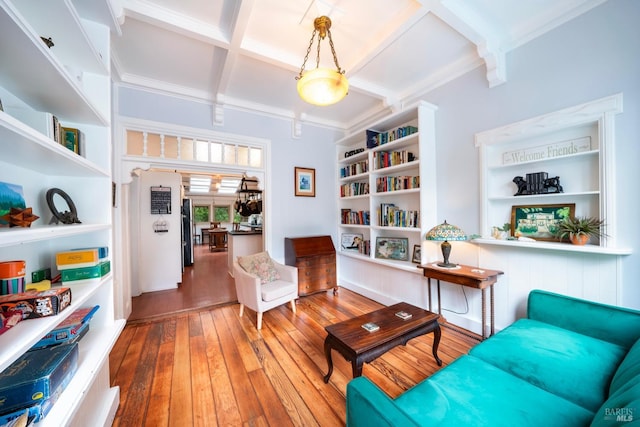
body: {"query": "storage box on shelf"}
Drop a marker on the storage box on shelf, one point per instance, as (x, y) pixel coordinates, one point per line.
(380, 194)
(72, 82)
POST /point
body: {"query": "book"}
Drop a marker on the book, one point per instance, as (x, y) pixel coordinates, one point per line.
(371, 327)
(404, 315)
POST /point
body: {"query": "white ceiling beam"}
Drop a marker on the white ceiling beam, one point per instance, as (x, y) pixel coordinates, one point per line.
(489, 43)
(175, 22)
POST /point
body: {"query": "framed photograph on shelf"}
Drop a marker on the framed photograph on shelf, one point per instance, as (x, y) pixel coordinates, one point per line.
(396, 248)
(350, 241)
(417, 254)
(305, 182)
(539, 222)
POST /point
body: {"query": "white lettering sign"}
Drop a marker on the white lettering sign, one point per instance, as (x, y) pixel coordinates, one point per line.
(543, 152)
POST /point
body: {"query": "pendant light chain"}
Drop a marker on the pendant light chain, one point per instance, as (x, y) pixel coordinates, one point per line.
(333, 51)
(313, 35)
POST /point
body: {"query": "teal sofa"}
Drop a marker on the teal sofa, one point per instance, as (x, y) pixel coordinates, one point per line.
(570, 362)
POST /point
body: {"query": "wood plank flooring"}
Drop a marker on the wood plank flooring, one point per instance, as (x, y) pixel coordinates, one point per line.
(210, 367)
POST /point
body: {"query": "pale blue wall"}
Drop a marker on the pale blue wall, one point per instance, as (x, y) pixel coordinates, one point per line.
(593, 56)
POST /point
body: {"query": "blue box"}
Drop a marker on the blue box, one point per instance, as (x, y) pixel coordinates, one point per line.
(37, 376)
(69, 330)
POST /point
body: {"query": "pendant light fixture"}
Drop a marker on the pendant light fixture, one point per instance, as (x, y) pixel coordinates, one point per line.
(322, 86)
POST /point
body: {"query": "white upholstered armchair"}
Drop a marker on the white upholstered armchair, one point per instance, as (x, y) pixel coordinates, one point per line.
(262, 284)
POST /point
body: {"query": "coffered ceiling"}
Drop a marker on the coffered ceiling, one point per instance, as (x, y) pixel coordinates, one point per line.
(246, 53)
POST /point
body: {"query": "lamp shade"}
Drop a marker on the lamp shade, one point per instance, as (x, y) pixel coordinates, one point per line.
(444, 232)
(322, 86)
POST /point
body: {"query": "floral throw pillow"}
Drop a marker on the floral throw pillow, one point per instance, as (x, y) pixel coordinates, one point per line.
(261, 265)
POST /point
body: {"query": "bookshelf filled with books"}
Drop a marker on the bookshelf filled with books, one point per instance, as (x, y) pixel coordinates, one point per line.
(72, 83)
(386, 194)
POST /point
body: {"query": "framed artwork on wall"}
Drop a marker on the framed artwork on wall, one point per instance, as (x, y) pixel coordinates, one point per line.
(539, 222)
(305, 182)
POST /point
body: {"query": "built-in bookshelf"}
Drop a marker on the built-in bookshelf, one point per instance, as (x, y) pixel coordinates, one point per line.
(386, 193)
(573, 147)
(71, 82)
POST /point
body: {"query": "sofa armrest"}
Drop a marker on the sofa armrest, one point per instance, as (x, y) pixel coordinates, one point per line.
(367, 406)
(609, 323)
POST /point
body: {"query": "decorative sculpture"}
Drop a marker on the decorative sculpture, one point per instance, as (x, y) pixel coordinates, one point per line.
(66, 217)
(552, 185)
(521, 184)
(20, 217)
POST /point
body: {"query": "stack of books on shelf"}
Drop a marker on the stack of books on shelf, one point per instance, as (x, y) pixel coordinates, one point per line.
(354, 169)
(354, 189)
(355, 217)
(389, 215)
(385, 159)
(535, 182)
(375, 138)
(395, 183)
(83, 265)
(364, 247)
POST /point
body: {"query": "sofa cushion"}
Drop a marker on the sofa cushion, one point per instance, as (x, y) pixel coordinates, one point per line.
(576, 367)
(473, 392)
(260, 265)
(277, 289)
(620, 409)
(628, 373)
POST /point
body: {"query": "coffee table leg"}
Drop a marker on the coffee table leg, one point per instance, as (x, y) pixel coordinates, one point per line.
(436, 343)
(356, 367)
(327, 353)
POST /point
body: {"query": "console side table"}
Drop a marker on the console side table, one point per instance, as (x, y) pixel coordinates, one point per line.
(473, 277)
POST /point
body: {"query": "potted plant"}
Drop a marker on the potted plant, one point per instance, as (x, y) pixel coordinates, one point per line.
(579, 230)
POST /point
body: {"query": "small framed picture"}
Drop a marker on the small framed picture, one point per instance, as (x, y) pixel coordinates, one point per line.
(539, 222)
(417, 254)
(305, 182)
(396, 248)
(350, 241)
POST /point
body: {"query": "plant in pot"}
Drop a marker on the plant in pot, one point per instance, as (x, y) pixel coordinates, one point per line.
(579, 230)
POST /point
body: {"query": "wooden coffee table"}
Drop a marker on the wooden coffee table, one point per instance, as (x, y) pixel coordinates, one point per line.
(358, 345)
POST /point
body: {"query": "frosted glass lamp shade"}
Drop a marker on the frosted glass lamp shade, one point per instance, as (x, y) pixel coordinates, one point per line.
(322, 86)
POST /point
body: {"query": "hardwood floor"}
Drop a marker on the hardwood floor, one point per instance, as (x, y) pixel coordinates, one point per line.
(204, 284)
(211, 367)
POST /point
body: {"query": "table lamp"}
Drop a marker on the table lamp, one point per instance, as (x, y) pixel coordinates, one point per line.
(443, 233)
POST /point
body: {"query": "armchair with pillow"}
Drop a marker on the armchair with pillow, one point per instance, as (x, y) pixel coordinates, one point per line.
(262, 283)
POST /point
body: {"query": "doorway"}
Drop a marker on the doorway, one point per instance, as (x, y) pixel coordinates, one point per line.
(205, 284)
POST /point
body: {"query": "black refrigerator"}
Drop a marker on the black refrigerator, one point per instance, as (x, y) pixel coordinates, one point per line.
(187, 233)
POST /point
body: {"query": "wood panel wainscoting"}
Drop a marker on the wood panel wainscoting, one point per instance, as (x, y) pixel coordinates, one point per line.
(211, 367)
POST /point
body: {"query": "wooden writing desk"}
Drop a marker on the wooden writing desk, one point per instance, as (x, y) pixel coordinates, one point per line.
(473, 277)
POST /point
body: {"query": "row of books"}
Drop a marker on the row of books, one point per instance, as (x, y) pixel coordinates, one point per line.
(355, 169)
(389, 215)
(535, 182)
(394, 183)
(354, 189)
(375, 138)
(355, 217)
(49, 125)
(32, 384)
(385, 159)
(82, 265)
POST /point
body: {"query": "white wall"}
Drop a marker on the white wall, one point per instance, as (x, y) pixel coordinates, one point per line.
(158, 258)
